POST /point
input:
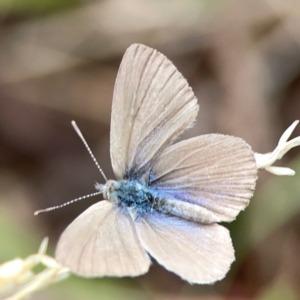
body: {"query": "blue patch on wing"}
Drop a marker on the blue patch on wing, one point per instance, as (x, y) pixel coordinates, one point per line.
(173, 193)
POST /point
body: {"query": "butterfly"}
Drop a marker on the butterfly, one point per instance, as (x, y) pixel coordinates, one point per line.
(168, 198)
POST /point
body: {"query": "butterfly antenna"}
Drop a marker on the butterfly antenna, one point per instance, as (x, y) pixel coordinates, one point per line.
(88, 148)
(67, 203)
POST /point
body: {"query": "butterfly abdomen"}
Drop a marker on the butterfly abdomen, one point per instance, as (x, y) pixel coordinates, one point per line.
(140, 199)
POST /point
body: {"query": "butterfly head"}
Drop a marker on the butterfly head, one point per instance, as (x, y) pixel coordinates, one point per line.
(106, 189)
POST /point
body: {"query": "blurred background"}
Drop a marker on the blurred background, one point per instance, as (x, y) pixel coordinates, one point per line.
(58, 62)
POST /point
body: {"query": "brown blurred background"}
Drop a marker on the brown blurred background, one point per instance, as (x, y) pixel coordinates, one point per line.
(58, 62)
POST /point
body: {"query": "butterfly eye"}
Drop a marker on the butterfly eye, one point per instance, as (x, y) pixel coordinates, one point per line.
(106, 193)
(108, 189)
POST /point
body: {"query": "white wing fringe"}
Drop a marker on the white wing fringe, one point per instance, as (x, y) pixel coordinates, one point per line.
(265, 161)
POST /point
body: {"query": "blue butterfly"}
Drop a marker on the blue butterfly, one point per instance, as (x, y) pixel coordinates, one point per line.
(167, 198)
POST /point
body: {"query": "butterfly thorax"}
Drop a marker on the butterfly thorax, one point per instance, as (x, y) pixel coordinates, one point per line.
(130, 193)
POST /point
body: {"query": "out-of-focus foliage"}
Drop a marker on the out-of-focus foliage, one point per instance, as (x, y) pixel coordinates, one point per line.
(278, 292)
(34, 7)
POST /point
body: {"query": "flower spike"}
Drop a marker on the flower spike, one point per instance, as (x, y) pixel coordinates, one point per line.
(265, 161)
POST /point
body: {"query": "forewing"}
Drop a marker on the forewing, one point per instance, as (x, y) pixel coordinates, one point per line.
(102, 241)
(196, 252)
(152, 106)
(217, 172)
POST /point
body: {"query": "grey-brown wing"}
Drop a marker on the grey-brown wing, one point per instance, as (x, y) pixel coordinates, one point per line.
(196, 252)
(152, 105)
(217, 172)
(102, 241)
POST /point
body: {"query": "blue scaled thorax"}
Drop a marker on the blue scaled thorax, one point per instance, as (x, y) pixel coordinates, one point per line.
(130, 193)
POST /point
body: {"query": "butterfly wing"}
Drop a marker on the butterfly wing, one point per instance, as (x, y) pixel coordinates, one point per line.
(217, 172)
(102, 241)
(152, 105)
(196, 252)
